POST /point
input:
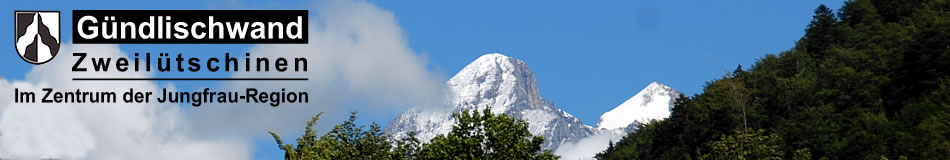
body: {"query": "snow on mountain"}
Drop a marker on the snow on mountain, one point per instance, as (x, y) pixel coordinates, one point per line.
(506, 85)
(654, 102)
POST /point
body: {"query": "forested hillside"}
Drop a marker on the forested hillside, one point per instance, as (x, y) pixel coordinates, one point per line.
(869, 81)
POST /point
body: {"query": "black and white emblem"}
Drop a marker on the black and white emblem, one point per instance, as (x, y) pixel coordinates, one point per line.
(37, 35)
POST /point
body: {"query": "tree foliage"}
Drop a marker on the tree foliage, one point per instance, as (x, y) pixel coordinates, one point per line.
(344, 141)
(746, 144)
(475, 136)
(486, 136)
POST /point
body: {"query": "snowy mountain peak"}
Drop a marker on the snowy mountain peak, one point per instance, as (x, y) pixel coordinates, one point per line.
(506, 85)
(493, 57)
(652, 103)
(495, 80)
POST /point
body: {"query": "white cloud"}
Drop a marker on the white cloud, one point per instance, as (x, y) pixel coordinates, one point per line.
(587, 147)
(357, 55)
(98, 131)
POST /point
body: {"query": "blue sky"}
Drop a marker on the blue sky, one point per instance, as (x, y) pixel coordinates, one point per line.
(588, 56)
(591, 56)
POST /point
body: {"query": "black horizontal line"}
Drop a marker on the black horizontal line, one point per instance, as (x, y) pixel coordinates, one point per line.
(191, 79)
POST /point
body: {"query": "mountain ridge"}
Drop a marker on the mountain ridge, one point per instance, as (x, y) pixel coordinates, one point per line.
(508, 86)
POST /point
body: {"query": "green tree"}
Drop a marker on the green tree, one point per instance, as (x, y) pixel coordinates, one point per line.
(345, 141)
(746, 144)
(802, 154)
(475, 136)
(821, 34)
(407, 148)
(484, 135)
(308, 146)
